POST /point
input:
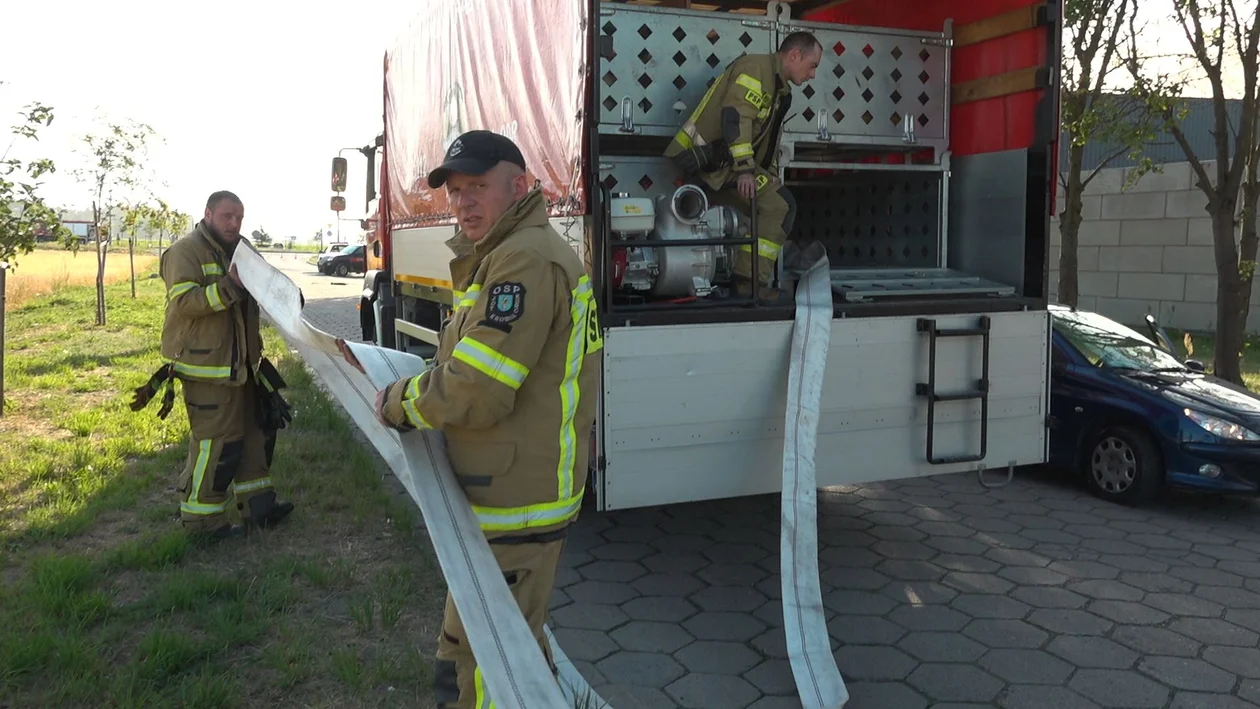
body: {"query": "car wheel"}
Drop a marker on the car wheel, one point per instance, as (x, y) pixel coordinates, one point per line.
(1123, 465)
(342, 270)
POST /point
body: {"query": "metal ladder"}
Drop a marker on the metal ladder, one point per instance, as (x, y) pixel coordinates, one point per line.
(981, 392)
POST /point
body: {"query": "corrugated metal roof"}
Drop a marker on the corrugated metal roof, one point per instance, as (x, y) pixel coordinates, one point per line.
(1197, 127)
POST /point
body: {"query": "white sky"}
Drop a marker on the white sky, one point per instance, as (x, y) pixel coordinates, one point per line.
(255, 96)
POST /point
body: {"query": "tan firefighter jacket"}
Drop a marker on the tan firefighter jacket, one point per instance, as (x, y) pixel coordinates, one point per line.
(514, 382)
(746, 137)
(211, 332)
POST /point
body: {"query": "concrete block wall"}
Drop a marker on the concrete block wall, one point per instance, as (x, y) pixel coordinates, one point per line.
(1147, 249)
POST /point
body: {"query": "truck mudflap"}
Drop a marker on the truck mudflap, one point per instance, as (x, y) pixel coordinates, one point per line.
(376, 309)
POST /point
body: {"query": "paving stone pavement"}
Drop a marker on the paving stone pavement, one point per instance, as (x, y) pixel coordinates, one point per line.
(939, 593)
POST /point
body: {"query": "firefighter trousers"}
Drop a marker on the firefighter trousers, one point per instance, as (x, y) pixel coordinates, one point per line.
(530, 571)
(228, 451)
(776, 215)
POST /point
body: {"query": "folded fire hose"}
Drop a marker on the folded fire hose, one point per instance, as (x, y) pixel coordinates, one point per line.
(511, 662)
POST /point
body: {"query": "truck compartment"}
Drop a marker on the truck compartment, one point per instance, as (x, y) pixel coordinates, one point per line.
(868, 152)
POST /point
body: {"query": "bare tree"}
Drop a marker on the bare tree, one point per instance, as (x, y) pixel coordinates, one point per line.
(1221, 39)
(1091, 113)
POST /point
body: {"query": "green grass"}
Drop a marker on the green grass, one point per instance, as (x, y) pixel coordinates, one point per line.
(107, 603)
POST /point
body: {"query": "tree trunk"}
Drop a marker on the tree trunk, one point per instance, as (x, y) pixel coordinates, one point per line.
(1070, 229)
(3, 272)
(1233, 292)
(131, 255)
(100, 267)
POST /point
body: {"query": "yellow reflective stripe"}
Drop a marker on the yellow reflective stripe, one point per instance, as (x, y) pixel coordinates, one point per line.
(482, 700)
(498, 367)
(509, 519)
(684, 140)
(211, 269)
(594, 332)
(570, 393)
(193, 505)
(765, 249)
(467, 299)
(179, 289)
(197, 370)
(410, 397)
(762, 181)
(252, 485)
(749, 82)
(212, 297)
(741, 150)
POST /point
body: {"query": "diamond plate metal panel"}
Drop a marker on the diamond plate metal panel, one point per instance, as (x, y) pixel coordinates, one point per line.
(664, 61)
(868, 84)
(873, 219)
(638, 176)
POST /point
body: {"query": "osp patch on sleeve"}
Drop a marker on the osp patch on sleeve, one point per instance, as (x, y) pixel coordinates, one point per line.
(505, 303)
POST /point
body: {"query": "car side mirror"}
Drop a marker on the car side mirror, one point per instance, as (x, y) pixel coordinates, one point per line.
(1195, 365)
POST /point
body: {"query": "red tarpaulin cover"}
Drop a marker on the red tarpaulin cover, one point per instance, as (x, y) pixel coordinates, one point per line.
(513, 68)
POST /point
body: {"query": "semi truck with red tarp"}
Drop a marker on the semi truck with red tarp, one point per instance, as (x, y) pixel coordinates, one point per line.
(921, 156)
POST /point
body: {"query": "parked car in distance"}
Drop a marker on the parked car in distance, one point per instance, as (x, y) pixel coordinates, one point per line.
(1133, 419)
(351, 259)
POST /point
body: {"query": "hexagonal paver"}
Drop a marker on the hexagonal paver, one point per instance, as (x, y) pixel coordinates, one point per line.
(1187, 673)
(632, 697)
(945, 529)
(864, 630)
(589, 616)
(774, 677)
(1025, 697)
(1245, 618)
(1230, 597)
(1115, 688)
(858, 602)
(601, 592)
(1026, 666)
(621, 551)
(910, 570)
(1244, 662)
(1197, 574)
(728, 599)
(621, 572)
(1128, 612)
(772, 643)
(667, 585)
(585, 645)
(873, 662)
(1197, 700)
(1156, 582)
(1129, 562)
(647, 636)
(929, 618)
(675, 543)
(978, 606)
(1156, 641)
(732, 574)
(1070, 622)
(662, 609)
(1077, 569)
(566, 576)
(642, 669)
(1033, 576)
(675, 562)
(966, 563)
(1048, 597)
(718, 658)
(998, 633)
(1250, 690)
(977, 582)
(703, 691)
(592, 676)
(726, 553)
(883, 694)
(1014, 541)
(724, 626)
(1212, 631)
(959, 546)
(1225, 553)
(919, 592)
(854, 579)
(847, 558)
(1092, 652)
(954, 683)
(909, 550)
(1106, 590)
(932, 646)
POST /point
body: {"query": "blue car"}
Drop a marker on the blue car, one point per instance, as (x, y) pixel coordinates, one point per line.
(1133, 419)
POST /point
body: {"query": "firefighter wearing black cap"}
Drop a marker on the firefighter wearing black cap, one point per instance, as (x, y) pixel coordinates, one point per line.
(512, 387)
(731, 143)
(212, 345)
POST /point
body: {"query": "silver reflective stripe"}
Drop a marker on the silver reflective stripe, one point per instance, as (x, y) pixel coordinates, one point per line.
(818, 680)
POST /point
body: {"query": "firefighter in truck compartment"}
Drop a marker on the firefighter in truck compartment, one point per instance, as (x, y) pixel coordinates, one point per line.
(513, 385)
(731, 143)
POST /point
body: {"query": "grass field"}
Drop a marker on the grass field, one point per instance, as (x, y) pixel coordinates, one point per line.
(107, 603)
(46, 271)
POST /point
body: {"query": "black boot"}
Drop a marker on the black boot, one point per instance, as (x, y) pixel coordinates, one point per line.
(266, 511)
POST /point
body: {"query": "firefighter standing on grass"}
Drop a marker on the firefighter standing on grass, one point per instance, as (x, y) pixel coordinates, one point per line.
(211, 344)
(512, 387)
(731, 143)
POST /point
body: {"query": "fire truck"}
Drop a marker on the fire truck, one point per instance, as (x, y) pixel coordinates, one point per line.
(921, 156)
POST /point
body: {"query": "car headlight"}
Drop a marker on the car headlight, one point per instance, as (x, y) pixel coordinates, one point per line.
(1221, 428)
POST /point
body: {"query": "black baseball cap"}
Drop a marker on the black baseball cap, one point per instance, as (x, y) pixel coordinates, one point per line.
(475, 153)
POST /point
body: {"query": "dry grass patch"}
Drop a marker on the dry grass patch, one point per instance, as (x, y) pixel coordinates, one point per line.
(46, 271)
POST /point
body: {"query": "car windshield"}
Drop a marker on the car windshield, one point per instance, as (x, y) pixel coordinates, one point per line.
(1106, 343)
